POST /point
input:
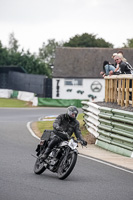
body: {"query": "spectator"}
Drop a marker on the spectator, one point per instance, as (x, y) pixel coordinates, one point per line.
(116, 65)
(124, 67)
(120, 53)
(107, 67)
(114, 54)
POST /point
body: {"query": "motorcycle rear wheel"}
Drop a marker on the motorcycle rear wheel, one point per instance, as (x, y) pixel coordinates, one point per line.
(39, 167)
(66, 168)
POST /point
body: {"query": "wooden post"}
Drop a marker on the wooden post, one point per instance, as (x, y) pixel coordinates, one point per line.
(106, 90)
(127, 92)
(123, 92)
(132, 93)
(119, 91)
(112, 90)
(115, 90)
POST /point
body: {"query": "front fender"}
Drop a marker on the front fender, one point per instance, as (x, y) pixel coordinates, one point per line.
(75, 150)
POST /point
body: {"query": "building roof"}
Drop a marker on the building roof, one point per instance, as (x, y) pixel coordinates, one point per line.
(84, 62)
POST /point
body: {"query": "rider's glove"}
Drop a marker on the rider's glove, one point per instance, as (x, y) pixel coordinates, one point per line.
(83, 142)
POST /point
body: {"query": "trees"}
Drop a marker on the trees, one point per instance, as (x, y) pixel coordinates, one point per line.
(3, 55)
(87, 40)
(129, 43)
(47, 51)
(13, 43)
(30, 62)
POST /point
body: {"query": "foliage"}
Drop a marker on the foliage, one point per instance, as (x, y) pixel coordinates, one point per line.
(47, 51)
(13, 43)
(129, 43)
(87, 40)
(3, 54)
(30, 62)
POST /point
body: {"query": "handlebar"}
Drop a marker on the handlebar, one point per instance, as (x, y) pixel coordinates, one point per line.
(77, 141)
(64, 136)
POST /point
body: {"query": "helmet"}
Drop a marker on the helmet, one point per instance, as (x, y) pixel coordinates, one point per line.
(72, 112)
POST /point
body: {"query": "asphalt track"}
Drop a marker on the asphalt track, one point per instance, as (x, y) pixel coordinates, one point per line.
(89, 180)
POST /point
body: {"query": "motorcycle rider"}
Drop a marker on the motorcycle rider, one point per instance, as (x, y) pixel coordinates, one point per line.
(64, 126)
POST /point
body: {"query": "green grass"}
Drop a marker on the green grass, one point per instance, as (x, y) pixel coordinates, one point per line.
(42, 125)
(13, 103)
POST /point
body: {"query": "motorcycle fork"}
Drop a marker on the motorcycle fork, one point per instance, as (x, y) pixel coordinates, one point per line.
(66, 155)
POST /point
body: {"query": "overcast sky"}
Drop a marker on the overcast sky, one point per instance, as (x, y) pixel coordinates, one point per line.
(35, 21)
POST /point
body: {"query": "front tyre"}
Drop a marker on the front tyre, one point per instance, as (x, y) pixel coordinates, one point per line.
(39, 167)
(66, 168)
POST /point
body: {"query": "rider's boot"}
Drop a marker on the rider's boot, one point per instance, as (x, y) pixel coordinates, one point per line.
(46, 153)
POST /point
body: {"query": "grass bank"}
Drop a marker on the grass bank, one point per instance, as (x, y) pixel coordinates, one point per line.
(13, 103)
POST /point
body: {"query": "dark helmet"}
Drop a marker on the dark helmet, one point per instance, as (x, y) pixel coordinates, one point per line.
(72, 112)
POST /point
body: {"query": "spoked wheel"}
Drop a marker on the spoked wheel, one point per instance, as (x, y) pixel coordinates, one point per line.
(39, 167)
(65, 168)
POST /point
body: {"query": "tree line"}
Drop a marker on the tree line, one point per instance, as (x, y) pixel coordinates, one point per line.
(42, 62)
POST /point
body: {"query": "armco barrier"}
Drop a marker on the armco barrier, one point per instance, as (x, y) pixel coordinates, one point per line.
(113, 128)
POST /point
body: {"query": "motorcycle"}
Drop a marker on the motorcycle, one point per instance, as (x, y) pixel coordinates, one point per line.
(61, 160)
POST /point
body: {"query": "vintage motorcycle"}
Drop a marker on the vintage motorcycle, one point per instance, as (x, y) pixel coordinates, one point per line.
(61, 160)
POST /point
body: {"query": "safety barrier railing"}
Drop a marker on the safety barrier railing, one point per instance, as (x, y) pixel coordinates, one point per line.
(113, 128)
(119, 89)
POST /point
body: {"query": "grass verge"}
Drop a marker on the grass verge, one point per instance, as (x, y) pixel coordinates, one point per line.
(14, 103)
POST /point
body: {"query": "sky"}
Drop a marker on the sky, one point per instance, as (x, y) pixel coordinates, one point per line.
(36, 21)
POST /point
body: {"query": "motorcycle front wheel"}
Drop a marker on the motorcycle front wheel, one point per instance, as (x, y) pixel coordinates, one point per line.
(65, 168)
(39, 167)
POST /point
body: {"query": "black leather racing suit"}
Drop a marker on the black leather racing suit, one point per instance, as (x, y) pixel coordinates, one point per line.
(66, 124)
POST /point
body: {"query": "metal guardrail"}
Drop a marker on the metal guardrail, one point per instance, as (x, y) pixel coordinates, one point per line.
(113, 128)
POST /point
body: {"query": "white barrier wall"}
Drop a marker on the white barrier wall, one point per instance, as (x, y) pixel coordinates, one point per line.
(5, 93)
(28, 96)
(25, 96)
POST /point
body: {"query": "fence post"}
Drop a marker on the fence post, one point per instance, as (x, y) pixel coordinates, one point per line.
(127, 92)
(115, 90)
(106, 89)
(132, 93)
(112, 90)
(119, 91)
(123, 92)
(109, 97)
